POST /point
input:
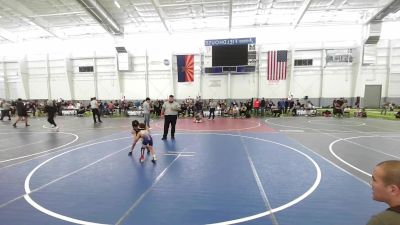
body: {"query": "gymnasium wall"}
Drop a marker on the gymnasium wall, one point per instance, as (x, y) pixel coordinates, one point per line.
(50, 69)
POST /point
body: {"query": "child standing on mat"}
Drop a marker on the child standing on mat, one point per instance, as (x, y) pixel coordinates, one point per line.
(140, 132)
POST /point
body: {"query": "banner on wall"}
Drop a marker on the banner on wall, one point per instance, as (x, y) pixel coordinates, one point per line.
(339, 56)
(185, 68)
(277, 63)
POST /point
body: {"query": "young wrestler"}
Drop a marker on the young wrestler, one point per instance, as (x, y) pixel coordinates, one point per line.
(135, 131)
(198, 118)
(147, 141)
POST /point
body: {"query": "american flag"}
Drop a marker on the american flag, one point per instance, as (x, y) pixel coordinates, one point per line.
(277, 63)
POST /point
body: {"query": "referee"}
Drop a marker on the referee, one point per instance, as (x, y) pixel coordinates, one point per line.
(170, 111)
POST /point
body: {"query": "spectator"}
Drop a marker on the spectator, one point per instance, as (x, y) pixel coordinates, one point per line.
(146, 112)
(256, 106)
(397, 115)
(262, 106)
(386, 188)
(5, 111)
(385, 107)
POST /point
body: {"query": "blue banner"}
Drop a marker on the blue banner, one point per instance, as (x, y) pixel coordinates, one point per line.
(235, 41)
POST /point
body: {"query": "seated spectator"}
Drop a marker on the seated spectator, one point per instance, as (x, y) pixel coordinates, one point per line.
(361, 113)
(391, 107)
(227, 112)
(397, 115)
(70, 106)
(183, 110)
(81, 111)
(243, 111)
(235, 111)
(310, 109)
(327, 113)
(346, 111)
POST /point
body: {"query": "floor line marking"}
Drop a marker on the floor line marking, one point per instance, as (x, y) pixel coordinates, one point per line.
(347, 163)
(62, 177)
(259, 184)
(66, 148)
(46, 211)
(144, 194)
(38, 153)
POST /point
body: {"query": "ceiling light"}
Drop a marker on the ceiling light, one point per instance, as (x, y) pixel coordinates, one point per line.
(117, 4)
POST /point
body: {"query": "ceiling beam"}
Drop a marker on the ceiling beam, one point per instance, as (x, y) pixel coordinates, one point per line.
(303, 9)
(193, 3)
(392, 6)
(27, 16)
(160, 13)
(8, 35)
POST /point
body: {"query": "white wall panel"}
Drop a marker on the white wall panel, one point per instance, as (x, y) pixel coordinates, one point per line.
(188, 89)
(306, 82)
(215, 86)
(159, 87)
(2, 90)
(3, 82)
(108, 89)
(60, 89)
(84, 89)
(38, 88)
(135, 89)
(337, 82)
(394, 84)
(244, 85)
(14, 80)
(30, 77)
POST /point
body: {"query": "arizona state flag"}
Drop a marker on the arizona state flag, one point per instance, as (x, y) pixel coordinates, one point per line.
(185, 67)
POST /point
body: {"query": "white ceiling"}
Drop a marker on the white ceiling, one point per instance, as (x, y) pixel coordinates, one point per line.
(40, 19)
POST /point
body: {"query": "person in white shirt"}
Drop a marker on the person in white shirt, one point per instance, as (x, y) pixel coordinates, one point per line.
(170, 111)
(94, 105)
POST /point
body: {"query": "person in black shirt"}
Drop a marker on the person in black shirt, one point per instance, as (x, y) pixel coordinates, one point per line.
(262, 106)
(51, 110)
(21, 112)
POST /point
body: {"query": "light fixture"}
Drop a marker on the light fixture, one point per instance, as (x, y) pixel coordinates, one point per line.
(117, 4)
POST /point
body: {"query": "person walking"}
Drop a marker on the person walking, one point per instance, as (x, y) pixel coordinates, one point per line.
(51, 110)
(21, 112)
(170, 111)
(94, 105)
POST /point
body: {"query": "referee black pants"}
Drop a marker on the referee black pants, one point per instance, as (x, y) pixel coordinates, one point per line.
(169, 119)
(95, 113)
